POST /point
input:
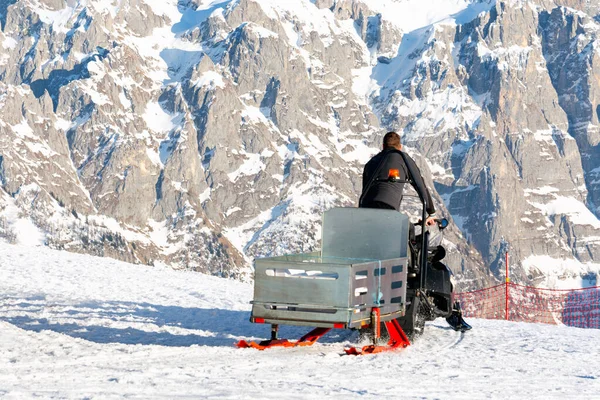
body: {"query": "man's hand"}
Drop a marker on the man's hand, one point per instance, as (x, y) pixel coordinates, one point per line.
(430, 221)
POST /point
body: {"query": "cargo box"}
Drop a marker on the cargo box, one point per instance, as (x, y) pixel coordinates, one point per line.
(362, 265)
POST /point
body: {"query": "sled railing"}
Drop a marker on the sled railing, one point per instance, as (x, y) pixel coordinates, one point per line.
(327, 292)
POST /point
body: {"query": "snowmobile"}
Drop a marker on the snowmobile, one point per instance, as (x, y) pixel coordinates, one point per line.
(372, 273)
(430, 291)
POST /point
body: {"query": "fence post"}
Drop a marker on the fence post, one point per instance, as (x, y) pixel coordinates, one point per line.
(506, 288)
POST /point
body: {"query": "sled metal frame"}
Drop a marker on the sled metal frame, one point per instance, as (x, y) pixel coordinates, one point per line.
(327, 292)
(358, 280)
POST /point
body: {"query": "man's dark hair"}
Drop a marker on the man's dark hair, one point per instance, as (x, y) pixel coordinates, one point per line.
(391, 140)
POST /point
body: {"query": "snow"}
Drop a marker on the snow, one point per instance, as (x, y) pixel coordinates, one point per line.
(42, 148)
(232, 210)
(192, 17)
(543, 135)
(160, 236)
(167, 8)
(409, 15)
(241, 235)
(76, 326)
(125, 102)
(303, 205)
(363, 84)
(262, 32)
(168, 56)
(62, 124)
(361, 153)
(157, 119)
(562, 273)
(204, 196)
(576, 211)
(450, 109)
(513, 58)
(9, 43)
(57, 18)
(97, 70)
(90, 88)
(438, 171)
(23, 130)
(254, 115)
(406, 15)
(210, 79)
(114, 226)
(544, 190)
(251, 166)
(25, 231)
(311, 144)
(154, 157)
(321, 21)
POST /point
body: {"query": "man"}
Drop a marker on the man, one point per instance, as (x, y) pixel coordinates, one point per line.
(378, 192)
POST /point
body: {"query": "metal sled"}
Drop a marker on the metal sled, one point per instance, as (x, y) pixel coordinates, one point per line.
(356, 281)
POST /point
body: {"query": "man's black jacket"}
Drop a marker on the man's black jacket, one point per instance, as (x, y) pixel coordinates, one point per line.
(377, 190)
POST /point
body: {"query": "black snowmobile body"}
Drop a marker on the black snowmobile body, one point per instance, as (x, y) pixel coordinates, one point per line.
(429, 292)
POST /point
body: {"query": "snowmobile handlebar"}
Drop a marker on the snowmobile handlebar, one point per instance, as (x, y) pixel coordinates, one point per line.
(442, 223)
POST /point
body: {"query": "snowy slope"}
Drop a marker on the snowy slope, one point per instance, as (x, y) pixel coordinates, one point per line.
(75, 326)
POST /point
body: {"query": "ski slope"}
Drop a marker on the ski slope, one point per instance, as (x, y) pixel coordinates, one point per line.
(76, 326)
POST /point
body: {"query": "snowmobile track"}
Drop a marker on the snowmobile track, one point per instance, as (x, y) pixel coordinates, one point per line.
(461, 336)
(440, 339)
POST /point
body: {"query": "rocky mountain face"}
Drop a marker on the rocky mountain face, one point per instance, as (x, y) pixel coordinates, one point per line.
(203, 133)
(504, 106)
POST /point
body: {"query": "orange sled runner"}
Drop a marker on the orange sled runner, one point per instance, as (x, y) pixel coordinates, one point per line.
(398, 340)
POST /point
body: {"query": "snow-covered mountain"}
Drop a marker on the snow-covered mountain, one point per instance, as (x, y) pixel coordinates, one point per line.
(75, 326)
(203, 133)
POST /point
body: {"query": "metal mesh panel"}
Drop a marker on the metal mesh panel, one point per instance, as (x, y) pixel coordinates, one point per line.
(578, 307)
(364, 233)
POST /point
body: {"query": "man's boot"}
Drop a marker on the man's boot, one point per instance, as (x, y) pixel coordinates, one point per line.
(456, 321)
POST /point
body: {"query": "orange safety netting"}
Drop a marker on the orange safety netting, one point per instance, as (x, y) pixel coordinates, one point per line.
(575, 307)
